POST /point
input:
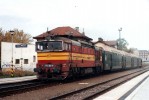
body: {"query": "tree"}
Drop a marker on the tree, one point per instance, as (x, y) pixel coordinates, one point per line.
(18, 37)
(1, 34)
(122, 44)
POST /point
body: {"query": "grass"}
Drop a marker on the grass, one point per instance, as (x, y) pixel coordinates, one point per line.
(17, 73)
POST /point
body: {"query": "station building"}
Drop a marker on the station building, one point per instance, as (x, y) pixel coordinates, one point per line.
(24, 56)
(144, 54)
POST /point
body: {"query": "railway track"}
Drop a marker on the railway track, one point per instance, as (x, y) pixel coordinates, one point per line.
(83, 93)
(20, 87)
(9, 89)
(93, 91)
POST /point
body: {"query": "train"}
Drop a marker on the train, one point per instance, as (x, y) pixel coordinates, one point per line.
(62, 57)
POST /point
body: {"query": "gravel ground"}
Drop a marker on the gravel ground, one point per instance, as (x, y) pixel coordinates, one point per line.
(46, 93)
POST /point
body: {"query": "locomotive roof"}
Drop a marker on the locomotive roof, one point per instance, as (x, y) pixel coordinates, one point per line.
(63, 31)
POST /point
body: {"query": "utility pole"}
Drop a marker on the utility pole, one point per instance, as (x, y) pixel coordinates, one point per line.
(119, 44)
(21, 52)
(12, 69)
(120, 29)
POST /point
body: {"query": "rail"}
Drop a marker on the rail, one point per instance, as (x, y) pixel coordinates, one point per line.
(97, 89)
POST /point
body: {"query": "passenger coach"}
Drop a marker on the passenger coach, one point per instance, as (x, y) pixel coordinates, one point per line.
(114, 59)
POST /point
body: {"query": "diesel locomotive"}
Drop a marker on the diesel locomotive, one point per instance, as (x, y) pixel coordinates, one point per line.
(60, 57)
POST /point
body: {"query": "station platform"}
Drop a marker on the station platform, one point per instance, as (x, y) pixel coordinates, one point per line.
(135, 89)
(16, 79)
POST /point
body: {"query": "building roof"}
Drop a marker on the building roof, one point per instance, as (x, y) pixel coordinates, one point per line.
(111, 43)
(63, 31)
(143, 50)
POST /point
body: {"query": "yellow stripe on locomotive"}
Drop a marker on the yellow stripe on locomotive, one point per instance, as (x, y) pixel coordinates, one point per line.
(64, 56)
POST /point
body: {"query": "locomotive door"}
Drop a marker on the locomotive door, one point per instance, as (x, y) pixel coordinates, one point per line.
(70, 53)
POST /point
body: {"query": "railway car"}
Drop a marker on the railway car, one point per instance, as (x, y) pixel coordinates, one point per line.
(128, 62)
(62, 57)
(114, 59)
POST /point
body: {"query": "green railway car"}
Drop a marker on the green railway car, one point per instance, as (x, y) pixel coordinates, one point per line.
(114, 59)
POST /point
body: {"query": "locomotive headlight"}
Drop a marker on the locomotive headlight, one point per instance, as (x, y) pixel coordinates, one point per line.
(64, 65)
(48, 65)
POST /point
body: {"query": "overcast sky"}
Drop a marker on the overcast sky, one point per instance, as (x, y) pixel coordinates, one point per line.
(99, 18)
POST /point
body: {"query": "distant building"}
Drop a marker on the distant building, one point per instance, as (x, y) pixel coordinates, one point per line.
(144, 54)
(111, 43)
(24, 56)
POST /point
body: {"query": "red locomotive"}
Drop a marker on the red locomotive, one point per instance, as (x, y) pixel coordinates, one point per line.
(64, 52)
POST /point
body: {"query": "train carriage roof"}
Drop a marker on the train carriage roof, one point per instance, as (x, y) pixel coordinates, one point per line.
(113, 50)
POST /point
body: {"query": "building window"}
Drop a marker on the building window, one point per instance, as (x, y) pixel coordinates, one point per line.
(25, 61)
(34, 58)
(17, 61)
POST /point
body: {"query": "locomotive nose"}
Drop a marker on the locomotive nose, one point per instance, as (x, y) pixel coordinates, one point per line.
(39, 70)
(55, 69)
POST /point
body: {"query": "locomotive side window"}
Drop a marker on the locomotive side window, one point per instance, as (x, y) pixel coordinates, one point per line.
(66, 46)
(69, 46)
(74, 49)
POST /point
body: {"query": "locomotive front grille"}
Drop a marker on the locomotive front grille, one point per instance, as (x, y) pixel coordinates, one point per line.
(48, 65)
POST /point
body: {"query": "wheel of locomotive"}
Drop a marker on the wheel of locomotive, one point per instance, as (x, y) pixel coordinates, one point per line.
(71, 71)
(97, 70)
(101, 69)
(77, 72)
(82, 71)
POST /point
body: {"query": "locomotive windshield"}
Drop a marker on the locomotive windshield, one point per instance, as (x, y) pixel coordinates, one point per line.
(49, 46)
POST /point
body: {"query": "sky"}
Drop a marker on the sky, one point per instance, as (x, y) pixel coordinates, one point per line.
(98, 18)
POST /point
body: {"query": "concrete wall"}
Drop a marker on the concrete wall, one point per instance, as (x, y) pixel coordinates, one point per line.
(19, 54)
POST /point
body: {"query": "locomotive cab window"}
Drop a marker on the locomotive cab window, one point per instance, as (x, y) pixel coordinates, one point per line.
(49, 46)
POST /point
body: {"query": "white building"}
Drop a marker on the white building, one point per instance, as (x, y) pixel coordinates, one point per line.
(24, 56)
(144, 54)
(135, 51)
